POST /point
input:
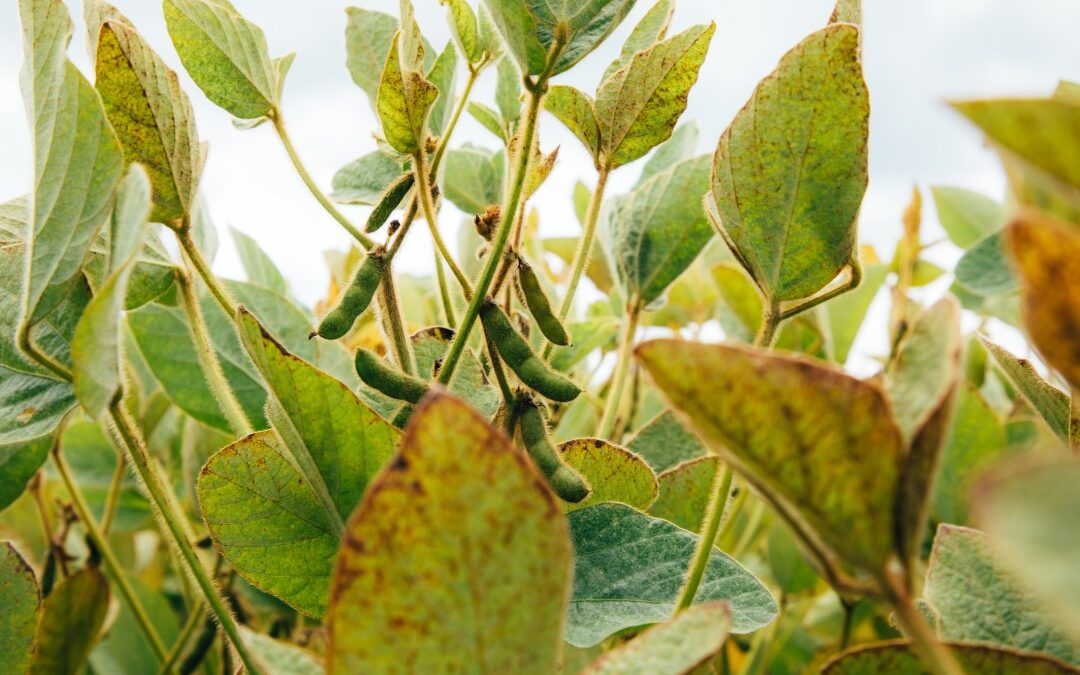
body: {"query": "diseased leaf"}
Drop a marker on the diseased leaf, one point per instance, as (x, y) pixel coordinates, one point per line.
(681, 146)
(665, 443)
(656, 231)
(629, 568)
(404, 100)
(615, 473)
(364, 180)
(77, 160)
(577, 111)
(1049, 401)
(847, 11)
(20, 609)
(978, 601)
(451, 541)
(685, 492)
(671, 648)
(790, 172)
(73, 616)
(966, 216)
(152, 117)
(1029, 513)
(1046, 252)
(638, 105)
(465, 29)
(896, 658)
(832, 468)
(651, 29)
(258, 266)
(225, 54)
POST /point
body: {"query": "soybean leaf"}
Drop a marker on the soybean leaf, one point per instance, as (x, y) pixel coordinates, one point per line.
(681, 145)
(651, 29)
(470, 383)
(508, 91)
(474, 178)
(966, 216)
(1046, 252)
(685, 492)
(787, 562)
(638, 105)
(125, 649)
(405, 98)
(978, 601)
(443, 75)
(19, 461)
(847, 11)
(452, 540)
(629, 568)
(832, 467)
(77, 160)
(656, 231)
(577, 111)
(288, 659)
(95, 348)
(364, 180)
(985, 269)
(665, 443)
(258, 266)
(615, 474)
(368, 36)
(465, 29)
(847, 312)
(589, 335)
(675, 647)
(598, 269)
(20, 607)
(487, 118)
(790, 172)
(73, 616)
(1029, 513)
(529, 29)
(898, 659)
(1050, 402)
(152, 117)
(977, 438)
(225, 54)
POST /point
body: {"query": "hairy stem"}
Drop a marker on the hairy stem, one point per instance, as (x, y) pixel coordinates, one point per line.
(202, 268)
(175, 531)
(194, 620)
(423, 191)
(770, 322)
(613, 405)
(709, 530)
(394, 322)
(444, 292)
(585, 245)
(112, 498)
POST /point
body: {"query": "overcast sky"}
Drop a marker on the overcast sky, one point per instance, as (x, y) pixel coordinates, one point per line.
(918, 53)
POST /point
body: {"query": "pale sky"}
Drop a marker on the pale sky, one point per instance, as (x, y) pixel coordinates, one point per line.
(918, 53)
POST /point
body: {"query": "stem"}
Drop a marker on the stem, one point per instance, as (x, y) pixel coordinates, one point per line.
(622, 369)
(394, 322)
(45, 516)
(500, 374)
(721, 490)
(769, 323)
(750, 530)
(444, 292)
(202, 268)
(463, 100)
(855, 271)
(208, 360)
(423, 191)
(937, 658)
(584, 249)
(78, 501)
(194, 620)
(487, 274)
(174, 529)
(279, 126)
(30, 349)
(849, 621)
(112, 498)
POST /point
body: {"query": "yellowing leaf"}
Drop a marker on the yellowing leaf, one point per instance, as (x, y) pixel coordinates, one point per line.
(685, 492)
(896, 658)
(615, 473)
(450, 543)
(20, 609)
(651, 29)
(577, 111)
(790, 172)
(404, 101)
(1047, 400)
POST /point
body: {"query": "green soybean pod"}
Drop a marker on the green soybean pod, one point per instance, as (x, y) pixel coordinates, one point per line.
(520, 358)
(377, 374)
(568, 484)
(540, 305)
(390, 199)
(356, 297)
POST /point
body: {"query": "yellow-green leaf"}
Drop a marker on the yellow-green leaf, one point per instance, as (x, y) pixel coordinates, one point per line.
(404, 100)
(72, 619)
(20, 609)
(615, 473)
(790, 172)
(1050, 402)
(651, 29)
(368, 36)
(685, 492)
(896, 658)
(577, 111)
(450, 543)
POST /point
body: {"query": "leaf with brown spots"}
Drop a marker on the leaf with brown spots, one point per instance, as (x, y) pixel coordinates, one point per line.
(450, 543)
(20, 609)
(1047, 400)
(1046, 253)
(896, 658)
(615, 473)
(685, 491)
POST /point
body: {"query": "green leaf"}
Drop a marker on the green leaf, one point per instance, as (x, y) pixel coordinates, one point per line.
(474, 178)
(152, 117)
(638, 105)
(651, 29)
(453, 539)
(404, 101)
(598, 270)
(978, 601)
(288, 659)
(897, 659)
(258, 266)
(225, 54)
(368, 37)
(1051, 403)
(465, 29)
(508, 91)
(488, 118)
(19, 461)
(77, 160)
(471, 382)
(976, 439)
(985, 268)
(20, 607)
(73, 616)
(364, 180)
(832, 468)
(125, 649)
(614, 591)
(589, 335)
(847, 313)
(665, 443)
(966, 216)
(615, 474)
(677, 646)
(790, 172)
(578, 112)
(1029, 513)
(443, 75)
(656, 231)
(681, 146)
(1045, 252)
(685, 492)
(789, 567)
(95, 348)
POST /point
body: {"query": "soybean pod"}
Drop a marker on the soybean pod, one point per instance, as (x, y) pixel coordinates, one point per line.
(567, 483)
(390, 199)
(357, 296)
(520, 358)
(377, 374)
(536, 299)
